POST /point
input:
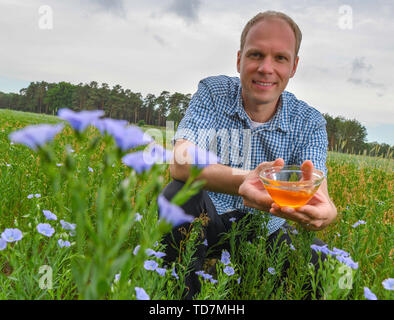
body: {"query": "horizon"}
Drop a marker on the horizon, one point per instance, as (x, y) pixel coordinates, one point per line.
(368, 132)
(146, 47)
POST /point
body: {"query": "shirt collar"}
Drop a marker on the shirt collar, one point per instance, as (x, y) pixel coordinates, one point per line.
(279, 121)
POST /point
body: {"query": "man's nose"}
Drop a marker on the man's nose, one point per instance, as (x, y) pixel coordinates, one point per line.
(266, 65)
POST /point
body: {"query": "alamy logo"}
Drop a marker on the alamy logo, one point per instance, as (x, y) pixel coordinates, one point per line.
(45, 282)
(45, 22)
(345, 20)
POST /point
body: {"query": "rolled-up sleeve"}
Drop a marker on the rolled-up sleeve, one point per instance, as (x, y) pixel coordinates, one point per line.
(314, 145)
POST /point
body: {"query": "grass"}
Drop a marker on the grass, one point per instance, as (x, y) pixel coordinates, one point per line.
(103, 201)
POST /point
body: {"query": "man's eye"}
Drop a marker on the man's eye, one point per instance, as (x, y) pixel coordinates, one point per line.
(255, 55)
(282, 58)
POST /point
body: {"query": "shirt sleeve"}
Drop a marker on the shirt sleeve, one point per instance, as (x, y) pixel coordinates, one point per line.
(199, 123)
(314, 145)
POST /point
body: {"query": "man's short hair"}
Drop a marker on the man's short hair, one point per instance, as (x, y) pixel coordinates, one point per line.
(269, 15)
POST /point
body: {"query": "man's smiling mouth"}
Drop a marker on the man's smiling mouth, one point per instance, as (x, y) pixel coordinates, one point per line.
(263, 83)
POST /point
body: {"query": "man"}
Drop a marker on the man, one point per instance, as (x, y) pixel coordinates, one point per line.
(265, 125)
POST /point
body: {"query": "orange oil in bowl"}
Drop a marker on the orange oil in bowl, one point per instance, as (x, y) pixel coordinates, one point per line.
(290, 198)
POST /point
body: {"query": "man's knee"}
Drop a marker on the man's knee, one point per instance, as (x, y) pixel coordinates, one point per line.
(171, 189)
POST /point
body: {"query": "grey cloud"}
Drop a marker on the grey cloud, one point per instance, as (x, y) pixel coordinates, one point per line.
(359, 65)
(115, 7)
(186, 9)
(160, 40)
(361, 75)
(366, 82)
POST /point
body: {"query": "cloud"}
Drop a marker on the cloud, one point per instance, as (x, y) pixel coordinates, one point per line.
(186, 9)
(160, 40)
(115, 7)
(359, 65)
(361, 76)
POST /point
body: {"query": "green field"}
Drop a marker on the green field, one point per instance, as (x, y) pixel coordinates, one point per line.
(89, 187)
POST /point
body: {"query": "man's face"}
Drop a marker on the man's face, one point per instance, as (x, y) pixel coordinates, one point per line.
(267, 62)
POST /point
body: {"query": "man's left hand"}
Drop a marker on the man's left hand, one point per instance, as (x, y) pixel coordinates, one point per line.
(317, 214)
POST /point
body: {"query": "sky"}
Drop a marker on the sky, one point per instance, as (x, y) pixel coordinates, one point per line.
(345, 66)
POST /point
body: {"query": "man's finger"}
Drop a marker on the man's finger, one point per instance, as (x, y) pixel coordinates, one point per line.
(277, 163)
(307, 170)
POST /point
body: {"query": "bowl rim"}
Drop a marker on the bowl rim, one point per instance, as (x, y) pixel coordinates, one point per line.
(290, 184)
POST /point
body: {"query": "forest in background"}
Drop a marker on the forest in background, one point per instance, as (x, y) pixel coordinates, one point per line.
(344, 135)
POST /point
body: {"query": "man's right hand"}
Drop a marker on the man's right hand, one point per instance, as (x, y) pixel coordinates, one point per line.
(252, 189)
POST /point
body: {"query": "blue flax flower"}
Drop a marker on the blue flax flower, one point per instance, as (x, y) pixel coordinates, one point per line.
(368, 294)
(63, 244)
(157, 254)
(11, 235)
(36, 135)
(144, 160)
(271, 270)
(161, 271)
(136, 249)
(206, 276)
(141, 294)
(150, 252)
(348, 261)
(340, 252)
(130, 137)
(3, 244)
(67, 226)
(388, 284)
(80, 120)
(173, 273)
(225, 259)
(140, 161)
(341, 255)
(108, 125)
(45, 229)
(150, 265)
(49, 215)
(229, 270)
(30, 196)
(171, 213)
(202, 158)
(324, 249)
(358, 223)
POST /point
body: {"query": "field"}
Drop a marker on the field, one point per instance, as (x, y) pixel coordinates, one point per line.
(105, 212)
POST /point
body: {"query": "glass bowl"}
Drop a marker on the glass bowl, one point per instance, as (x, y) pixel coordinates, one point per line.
(288, 186)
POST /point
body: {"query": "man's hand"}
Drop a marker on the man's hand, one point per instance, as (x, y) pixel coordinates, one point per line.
(317, 214)
(252, 189)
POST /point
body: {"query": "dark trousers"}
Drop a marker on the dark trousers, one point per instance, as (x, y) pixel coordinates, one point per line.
(217, 226)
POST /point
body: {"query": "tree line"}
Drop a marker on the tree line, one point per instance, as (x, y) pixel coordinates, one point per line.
(349, 136)
(42, 97)
(117, 102)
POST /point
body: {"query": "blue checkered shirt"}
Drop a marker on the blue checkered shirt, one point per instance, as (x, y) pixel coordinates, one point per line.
(216, 121)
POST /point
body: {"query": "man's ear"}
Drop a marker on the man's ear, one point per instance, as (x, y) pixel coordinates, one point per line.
(239, 61)
(294, 67)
